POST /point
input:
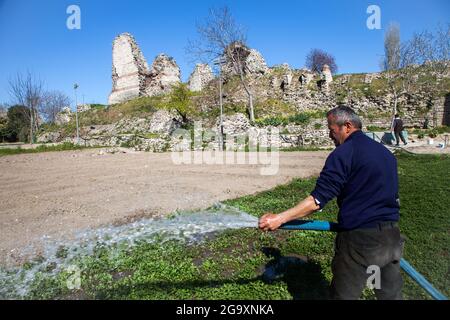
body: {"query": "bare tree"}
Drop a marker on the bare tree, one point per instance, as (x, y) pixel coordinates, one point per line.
(391, 61)
(399, 63)
(426, 52)
(27, 91)
(221, 37)
(316, 59)
(3, 121)
(433, 53)
(392, 47)
(52, 103)
(3, 109)
(433, 49)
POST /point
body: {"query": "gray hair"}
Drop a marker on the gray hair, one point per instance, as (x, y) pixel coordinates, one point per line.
(343, 114)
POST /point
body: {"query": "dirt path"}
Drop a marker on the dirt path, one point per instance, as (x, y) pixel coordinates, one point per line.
(55, 194)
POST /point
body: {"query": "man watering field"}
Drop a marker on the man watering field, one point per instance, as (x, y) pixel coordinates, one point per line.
(362, 174)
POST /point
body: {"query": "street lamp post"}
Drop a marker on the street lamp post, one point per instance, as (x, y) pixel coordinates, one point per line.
(75, 87)
(222, 144)
(219, 61)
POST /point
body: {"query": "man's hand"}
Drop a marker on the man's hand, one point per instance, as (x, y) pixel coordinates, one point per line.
(270, 221)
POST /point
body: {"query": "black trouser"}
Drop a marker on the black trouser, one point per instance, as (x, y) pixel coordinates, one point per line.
(356, 251)
(398, 136)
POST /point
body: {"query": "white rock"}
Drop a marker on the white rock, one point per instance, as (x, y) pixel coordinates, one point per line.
(48, 137)
(163, 121)
(63, 116)
(254, 62)
(201, 75)
(164, 74)
(326, 73)
(129, 69)
(234, 124)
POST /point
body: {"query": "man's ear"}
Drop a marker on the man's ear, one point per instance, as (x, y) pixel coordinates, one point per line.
(348, 127)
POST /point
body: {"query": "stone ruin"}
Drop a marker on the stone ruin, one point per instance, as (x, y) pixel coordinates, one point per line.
(369, 77)
(200, 77)
(63, 116)
(164, 74)
(132, 78)
(287, 80)
(131, 75)
(326, 73)
(253, 61)
(305, 77)
(129, 69)
(326, 78)
(291, 79)
(83, 107)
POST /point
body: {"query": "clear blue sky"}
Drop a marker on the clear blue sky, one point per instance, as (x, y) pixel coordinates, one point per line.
(34, 36)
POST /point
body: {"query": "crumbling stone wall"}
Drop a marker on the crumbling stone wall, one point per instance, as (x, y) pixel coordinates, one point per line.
(63, 116)
(253, 63)
(200, 77)
(129, 69)
(301, 89)
(164, 74)
(131, 75)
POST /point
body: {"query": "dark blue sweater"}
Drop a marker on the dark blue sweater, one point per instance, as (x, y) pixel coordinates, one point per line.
(362, 174)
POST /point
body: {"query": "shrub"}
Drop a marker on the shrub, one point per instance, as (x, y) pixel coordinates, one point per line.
(442, 129)
(375, 128)
(180, 100)
(272, 107)
(17, 127)
(272, 121)
(300, 118)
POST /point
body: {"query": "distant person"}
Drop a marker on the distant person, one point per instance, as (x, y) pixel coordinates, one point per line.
(425, 123)
(397, 127)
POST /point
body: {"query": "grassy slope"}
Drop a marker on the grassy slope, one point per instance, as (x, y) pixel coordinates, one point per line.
(425, 220)
(230, 265)
(42, 148)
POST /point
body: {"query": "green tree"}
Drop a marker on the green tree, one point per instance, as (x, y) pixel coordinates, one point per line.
(3, 129)
(18, 125)
(3, 123)
(180, 100)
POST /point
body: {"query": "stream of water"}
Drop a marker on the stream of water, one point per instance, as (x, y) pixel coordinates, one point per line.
(188, 227)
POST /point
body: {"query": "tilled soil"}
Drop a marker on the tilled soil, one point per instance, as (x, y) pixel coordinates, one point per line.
(55, 194)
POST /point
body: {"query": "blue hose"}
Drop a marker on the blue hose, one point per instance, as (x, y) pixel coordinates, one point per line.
(330, 226)
(421, 280)
(309, 225)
